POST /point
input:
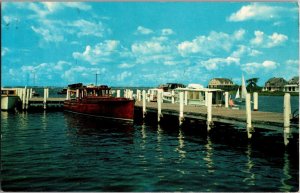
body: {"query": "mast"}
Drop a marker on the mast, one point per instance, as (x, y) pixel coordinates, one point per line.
(244, 90)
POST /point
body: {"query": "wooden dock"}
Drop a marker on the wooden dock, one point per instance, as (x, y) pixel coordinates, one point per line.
(265, 120)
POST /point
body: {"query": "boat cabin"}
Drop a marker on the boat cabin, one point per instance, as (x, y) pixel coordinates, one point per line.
(78, 91)
(8, 92)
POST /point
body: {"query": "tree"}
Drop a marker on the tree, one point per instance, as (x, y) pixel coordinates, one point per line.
(252, 84)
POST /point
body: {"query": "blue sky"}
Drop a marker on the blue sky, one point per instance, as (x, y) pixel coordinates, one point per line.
(147, 43)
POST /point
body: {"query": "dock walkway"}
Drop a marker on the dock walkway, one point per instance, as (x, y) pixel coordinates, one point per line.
(266, 120)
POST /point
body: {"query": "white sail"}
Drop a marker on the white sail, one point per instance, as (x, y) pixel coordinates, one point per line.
(237, 95)
(244, 90)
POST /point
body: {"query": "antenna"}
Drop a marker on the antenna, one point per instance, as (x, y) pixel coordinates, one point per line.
(96, 78)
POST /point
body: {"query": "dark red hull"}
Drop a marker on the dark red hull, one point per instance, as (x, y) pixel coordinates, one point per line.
(107, 107)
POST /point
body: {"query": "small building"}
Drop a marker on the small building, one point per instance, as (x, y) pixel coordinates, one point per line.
(292, 85)
(275, 84)
(221, 83)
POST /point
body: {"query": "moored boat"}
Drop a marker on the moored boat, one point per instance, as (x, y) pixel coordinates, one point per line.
(9, 99)
(98, 101)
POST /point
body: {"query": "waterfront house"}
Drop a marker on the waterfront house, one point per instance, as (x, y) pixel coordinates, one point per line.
(292, 85)
(275, 84)
(221, 83)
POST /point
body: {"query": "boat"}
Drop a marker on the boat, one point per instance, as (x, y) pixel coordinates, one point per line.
(196, 95)
(240, 98)
(62, 91)
(9, 99)
(35, 94)
(167, 91)
(98, 101)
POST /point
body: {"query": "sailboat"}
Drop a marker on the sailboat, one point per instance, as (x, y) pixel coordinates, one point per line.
(240, 98)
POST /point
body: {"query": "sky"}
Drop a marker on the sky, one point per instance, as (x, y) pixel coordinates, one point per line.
(147, 43)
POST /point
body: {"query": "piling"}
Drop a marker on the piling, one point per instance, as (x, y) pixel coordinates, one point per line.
(118, 93)
(77, 93)
(144, 103)
(173, 96)
(68, 95)
(138, 95)
(209, 111)
(180, 108)
(206, 100)
(185, 97)
(226, 99)
(255, 100)
(148, 95)
(27, 98)
(46, 96)
(30, 93)
(23, 97)
(159, 95)
(248, 113)
(286, 117)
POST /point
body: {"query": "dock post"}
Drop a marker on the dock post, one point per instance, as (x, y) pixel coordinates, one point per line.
(138, 93)
(118, 93)
(45, 98)
(27, 98)
(23, 97)
(30, 93)
(286, 118)
(148, 95)
(159, 93)
(77, 93)
(68, 94)
(206, 98)
(185, 97)
(248, 113)
(226, 99)
(209, 111)
(181, 108)
(173, 96)
(144, 103)
(255, 100)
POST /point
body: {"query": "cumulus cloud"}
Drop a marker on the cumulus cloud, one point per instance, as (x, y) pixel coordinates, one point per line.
(47, 35)
(292, 62)
(142, 30)
(268, 41)
(4, 51)
(214, 42)
(126, 65)
(243, 50)
(167, 31)
(87, 28)
(100, 52)
(123, 76)
(256, 11)
(216, 63)
(254, 67)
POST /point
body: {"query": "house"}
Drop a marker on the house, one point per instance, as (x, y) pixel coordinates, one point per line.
(292, 85)
(275, 84)
(221, 83)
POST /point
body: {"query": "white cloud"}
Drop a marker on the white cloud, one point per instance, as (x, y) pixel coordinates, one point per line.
(245, 50)
(86, 28)
(207, 45)
(144, 31)
(265, 41)
(61, 65)
(216, 63)
(123, 76)
(254, 67)
(47, 35)
(4, 51)
(256, 11)
(292, 62)
(100, 52)
(126, 65)
(167, 31)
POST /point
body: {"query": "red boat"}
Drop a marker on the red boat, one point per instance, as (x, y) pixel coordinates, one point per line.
(98, 101)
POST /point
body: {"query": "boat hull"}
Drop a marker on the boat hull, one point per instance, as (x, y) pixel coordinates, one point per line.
(115, 108)
(9, 102)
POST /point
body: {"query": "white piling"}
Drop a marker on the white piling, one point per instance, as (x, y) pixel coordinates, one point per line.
(118, 93)
(209, 111)
(226, 99)
(138, 95)
(248, 113)
(206, 98)
(45, 98)
(30, 93)
(185, 97)
(286, 117)
(173, 96)
(144, 103)
(148, 95)
(27, 98)
(77, 93)
(159, 93)
(180, 108)
(255, 100)
(23, 97)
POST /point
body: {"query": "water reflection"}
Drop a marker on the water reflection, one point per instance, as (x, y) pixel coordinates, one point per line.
(250, 179)
(180, 147)
(286, 174)
(208, 157)
(159, 139)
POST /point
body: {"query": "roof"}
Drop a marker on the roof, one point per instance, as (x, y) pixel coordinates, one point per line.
(222, 80)
(276, 82)
(294, 80)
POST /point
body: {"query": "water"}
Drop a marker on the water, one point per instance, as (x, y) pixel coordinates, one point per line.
(57, 151)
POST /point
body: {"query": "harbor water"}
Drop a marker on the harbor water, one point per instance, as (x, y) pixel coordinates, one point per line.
(58, 151)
